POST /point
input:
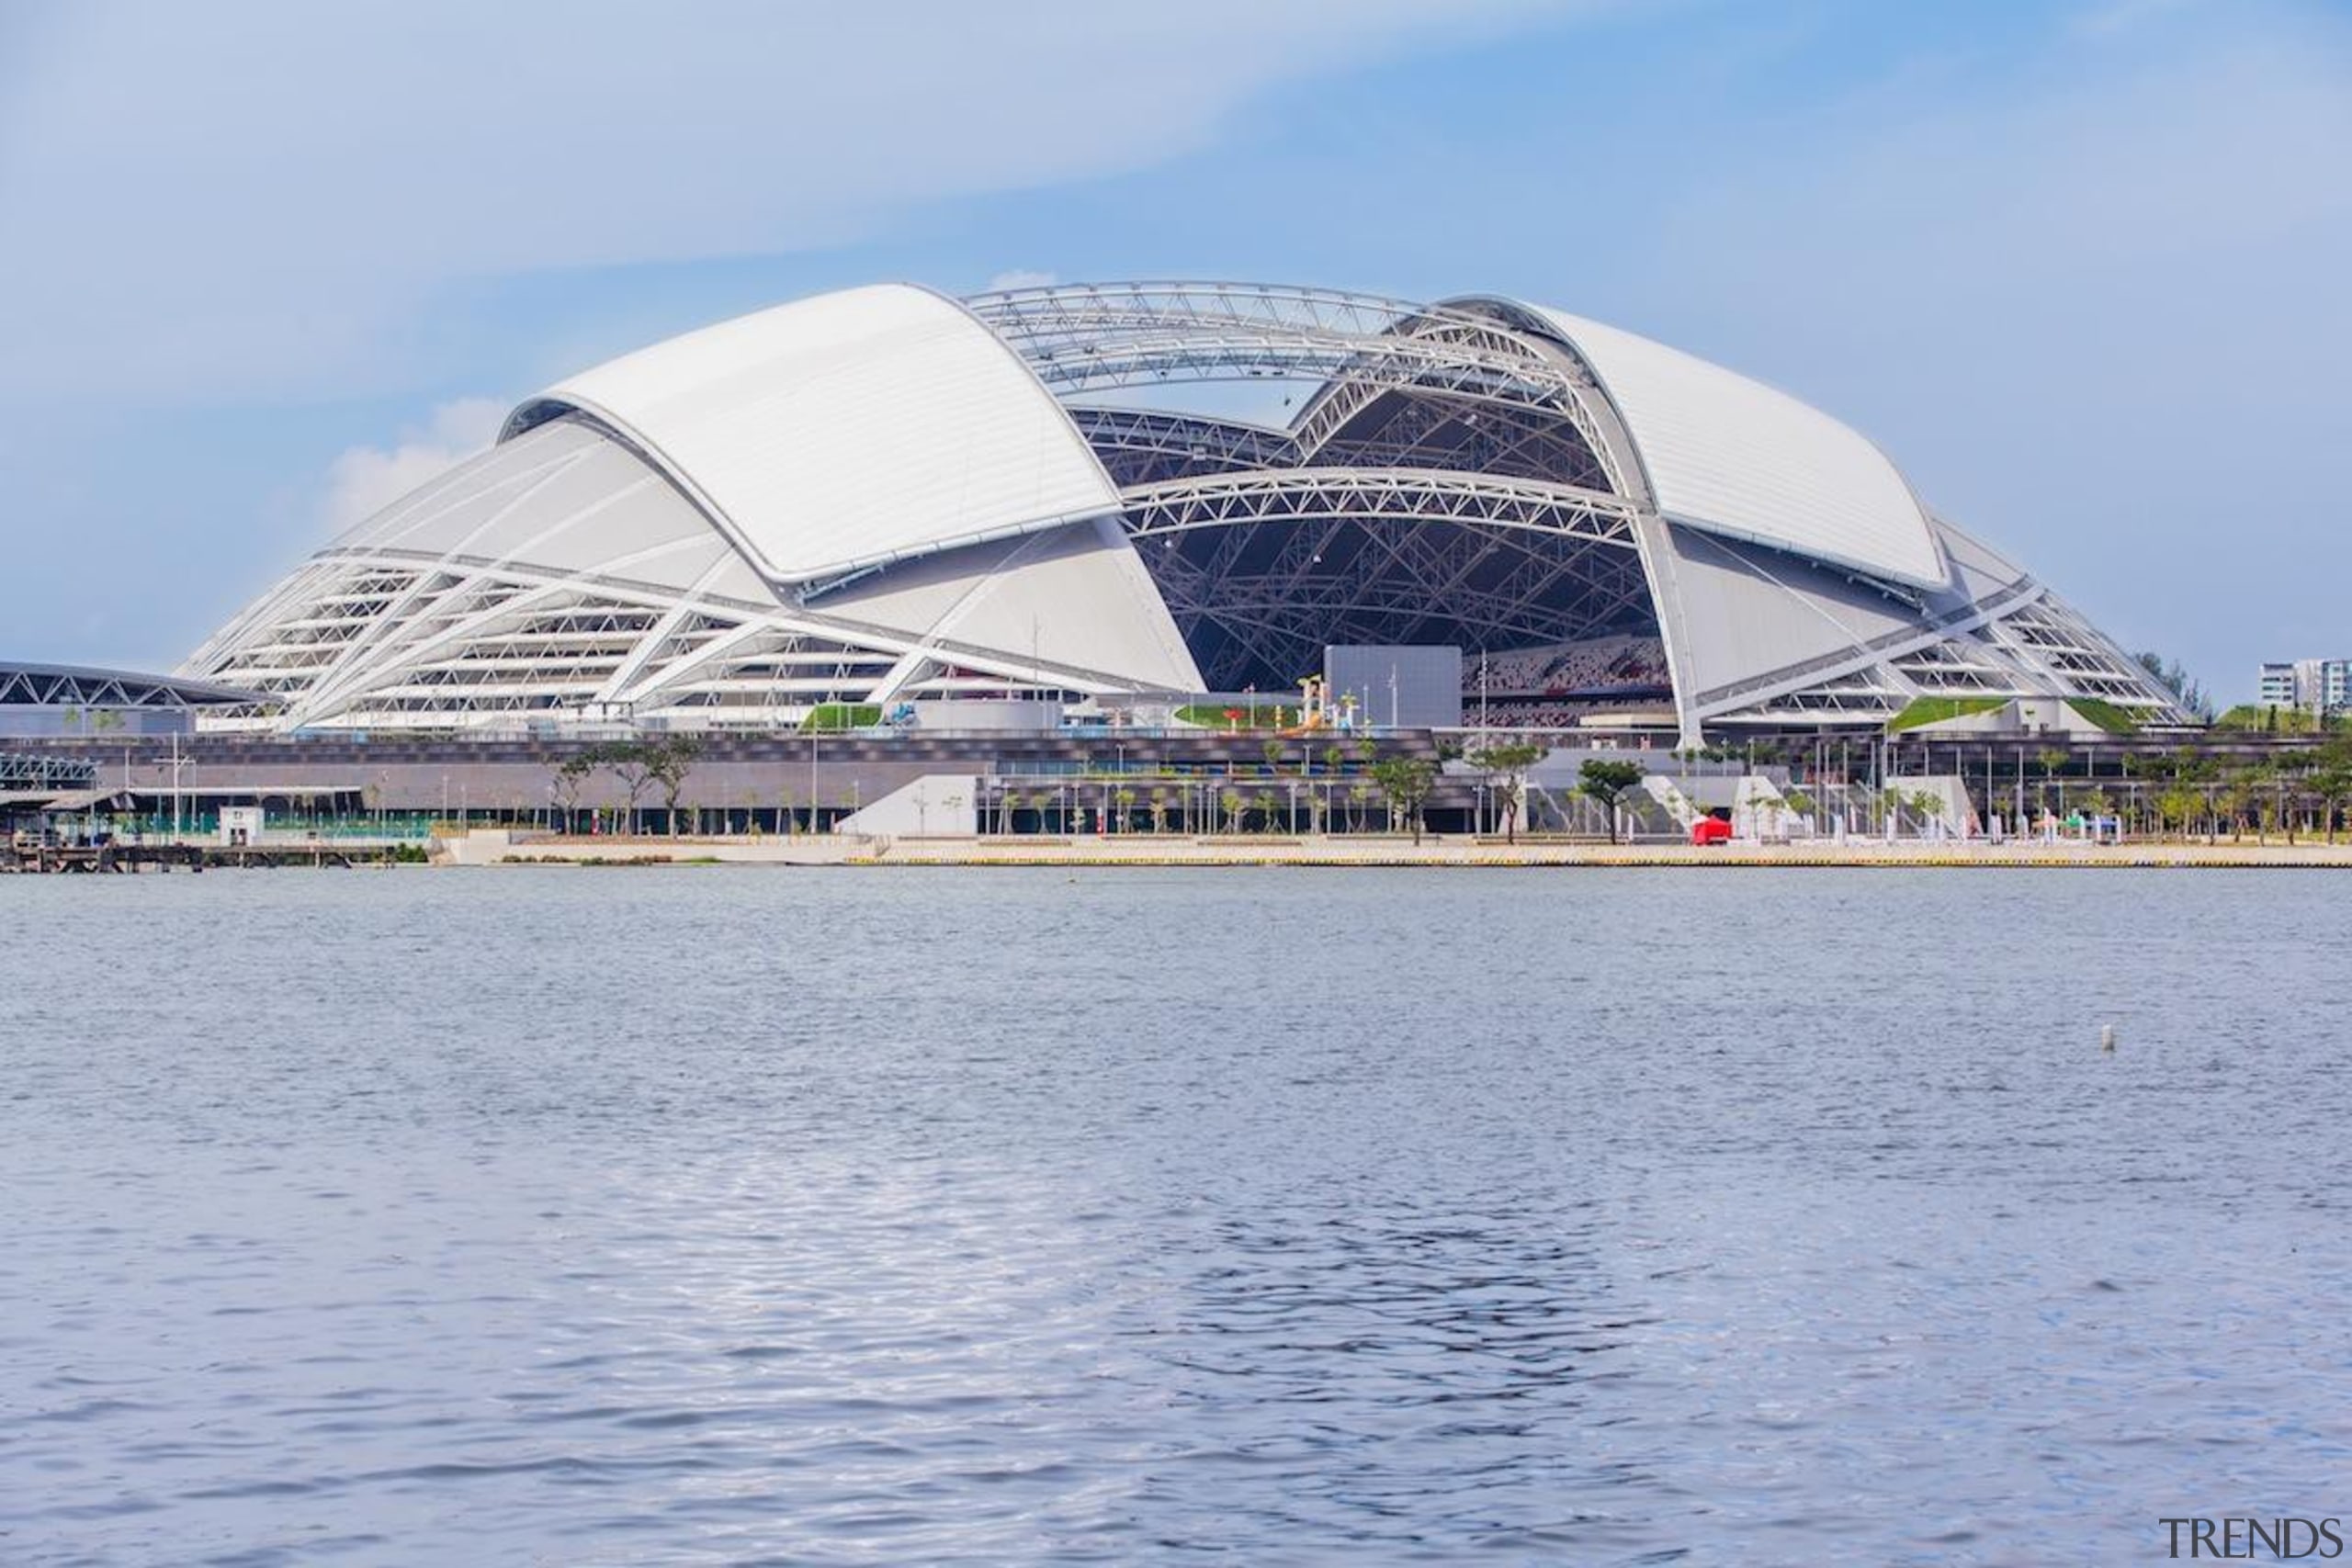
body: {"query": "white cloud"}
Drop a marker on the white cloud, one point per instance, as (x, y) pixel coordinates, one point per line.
(205, 200)
(2094, 320)
(1021, 278)
(2125, 16)
(362, 481)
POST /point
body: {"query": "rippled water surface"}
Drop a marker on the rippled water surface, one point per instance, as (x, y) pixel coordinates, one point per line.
(704, 1216)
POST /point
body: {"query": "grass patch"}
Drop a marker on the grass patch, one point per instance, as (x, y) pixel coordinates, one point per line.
(2269, 718)
(1267, 715)
(841, 716)
(2106, 715)
(1936, 710)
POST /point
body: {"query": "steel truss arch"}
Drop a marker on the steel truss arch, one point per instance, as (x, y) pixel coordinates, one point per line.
(1143, 442)
(1084, 338)
(1222, 500)
(1261, 569)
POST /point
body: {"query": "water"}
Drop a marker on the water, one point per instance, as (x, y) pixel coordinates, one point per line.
(702, 1215)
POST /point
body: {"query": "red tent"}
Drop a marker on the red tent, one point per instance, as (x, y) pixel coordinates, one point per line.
(1711, 831)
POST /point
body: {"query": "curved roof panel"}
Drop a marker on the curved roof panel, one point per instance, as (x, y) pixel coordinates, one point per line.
(1732, 456)
(847, 430)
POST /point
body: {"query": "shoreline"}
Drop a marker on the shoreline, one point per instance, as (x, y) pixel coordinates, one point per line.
(495, 847)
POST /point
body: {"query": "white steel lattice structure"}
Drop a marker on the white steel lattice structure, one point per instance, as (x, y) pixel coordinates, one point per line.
(887, 493)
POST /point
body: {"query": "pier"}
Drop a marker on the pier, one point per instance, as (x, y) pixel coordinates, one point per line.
(30, 856)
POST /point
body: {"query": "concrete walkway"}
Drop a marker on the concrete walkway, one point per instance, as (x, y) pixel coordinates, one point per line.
(498, 847)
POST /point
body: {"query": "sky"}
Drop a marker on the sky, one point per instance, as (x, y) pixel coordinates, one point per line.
(2084, 267)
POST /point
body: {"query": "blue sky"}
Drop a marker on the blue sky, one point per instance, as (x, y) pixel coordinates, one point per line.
(2084, 267)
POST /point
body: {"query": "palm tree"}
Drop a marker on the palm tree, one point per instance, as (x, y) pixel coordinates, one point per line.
(1125, 798)
(1929, 804)
(1159, 809)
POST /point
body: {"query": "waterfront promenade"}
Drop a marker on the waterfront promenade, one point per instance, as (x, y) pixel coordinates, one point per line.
(491, 848)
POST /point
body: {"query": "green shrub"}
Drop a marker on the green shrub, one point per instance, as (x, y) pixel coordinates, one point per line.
(843, 715)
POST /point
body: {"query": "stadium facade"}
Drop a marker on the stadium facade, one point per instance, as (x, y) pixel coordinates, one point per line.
(887, 494)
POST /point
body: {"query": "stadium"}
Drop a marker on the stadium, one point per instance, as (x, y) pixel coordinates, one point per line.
(1124, 495)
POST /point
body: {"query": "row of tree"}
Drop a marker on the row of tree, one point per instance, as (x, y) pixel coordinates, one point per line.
(636, 766)
(1402, 784)
(2190, 792)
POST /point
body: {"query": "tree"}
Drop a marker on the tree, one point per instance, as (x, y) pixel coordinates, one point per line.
(2184, 686)
(667, 762)
(2053, 761)
(1406, 782)
(1125, 798)
(2177, 808)
(1928, 803)
(571, 775)
(1159, 809)
(1506, 767)
(632, 764)
(1273, 751)
(2239, 788)
(1359, 797)
(1232, 801)
(1266, 809)
(2331, 780)
(1607, 782)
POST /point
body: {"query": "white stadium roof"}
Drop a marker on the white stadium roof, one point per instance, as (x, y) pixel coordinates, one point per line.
(847, 430)
(883, 494)
(1732, 456)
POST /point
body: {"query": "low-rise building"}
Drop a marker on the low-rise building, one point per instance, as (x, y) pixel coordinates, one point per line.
(2314, 685)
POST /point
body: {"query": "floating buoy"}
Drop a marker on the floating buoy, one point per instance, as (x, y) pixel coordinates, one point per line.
(2106, 1038)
